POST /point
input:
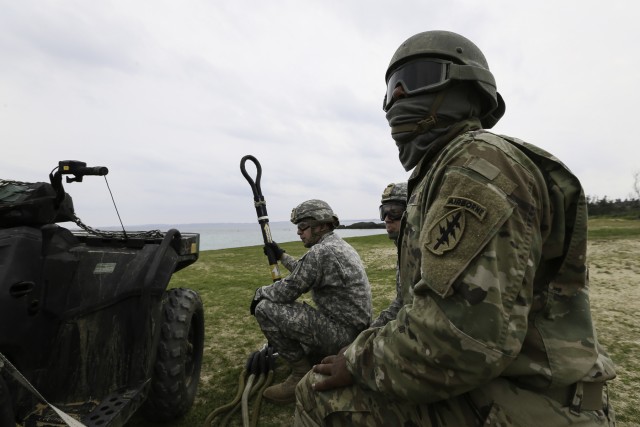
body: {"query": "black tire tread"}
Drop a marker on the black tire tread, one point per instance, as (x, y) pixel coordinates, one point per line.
(171, 394)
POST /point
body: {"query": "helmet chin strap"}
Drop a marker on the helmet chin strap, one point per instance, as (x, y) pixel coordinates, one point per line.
(431, 121)
(316, 236)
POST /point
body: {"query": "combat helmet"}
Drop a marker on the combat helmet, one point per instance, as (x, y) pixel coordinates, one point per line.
(395, 193)
(316, 209)
(393, 203)
(467, 63)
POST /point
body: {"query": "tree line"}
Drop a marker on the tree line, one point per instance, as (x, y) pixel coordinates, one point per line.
(627, 208)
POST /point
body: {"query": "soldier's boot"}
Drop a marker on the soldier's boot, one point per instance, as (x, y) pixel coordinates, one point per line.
(285, 392)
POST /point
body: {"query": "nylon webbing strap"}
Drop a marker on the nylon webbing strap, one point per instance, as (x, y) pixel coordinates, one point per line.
(429, 122)
(13, 371)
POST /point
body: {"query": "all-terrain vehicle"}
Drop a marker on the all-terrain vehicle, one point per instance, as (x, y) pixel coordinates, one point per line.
(87, 324)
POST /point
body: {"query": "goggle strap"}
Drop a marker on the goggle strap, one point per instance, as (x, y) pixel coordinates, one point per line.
(469, 72)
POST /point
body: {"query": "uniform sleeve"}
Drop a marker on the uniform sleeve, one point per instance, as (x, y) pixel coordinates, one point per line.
(302, 278)
(468, 319)
(288, 261)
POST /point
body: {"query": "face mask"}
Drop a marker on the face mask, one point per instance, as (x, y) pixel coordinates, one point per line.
(459, 103)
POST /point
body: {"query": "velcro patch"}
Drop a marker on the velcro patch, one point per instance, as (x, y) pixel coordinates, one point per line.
(447, 232)
(458, 226)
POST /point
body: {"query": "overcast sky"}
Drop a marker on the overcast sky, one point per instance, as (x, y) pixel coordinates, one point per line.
(170, 95)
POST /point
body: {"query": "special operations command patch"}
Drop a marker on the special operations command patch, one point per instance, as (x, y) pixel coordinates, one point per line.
(446, 233)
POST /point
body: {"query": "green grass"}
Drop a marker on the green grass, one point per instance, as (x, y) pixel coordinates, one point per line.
(613, 228)
(226, 280)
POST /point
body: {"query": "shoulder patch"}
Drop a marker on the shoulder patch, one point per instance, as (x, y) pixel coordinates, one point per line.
(445, 234)
(471, 206)
(464, 215)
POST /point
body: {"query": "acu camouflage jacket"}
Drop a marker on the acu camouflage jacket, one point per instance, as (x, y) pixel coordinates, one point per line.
(334, 274)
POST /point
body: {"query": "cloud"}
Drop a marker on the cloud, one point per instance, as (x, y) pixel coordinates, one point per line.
(170, 96)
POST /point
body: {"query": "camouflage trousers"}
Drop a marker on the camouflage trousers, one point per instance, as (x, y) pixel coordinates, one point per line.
(498, 404)
(297, 330)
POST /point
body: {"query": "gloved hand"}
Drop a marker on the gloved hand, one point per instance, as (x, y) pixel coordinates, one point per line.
(273, 247)
(254, 302)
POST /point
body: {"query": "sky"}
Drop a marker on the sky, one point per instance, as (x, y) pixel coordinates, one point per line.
(170, 95)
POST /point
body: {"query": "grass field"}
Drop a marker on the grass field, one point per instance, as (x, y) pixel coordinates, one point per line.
(226, 280)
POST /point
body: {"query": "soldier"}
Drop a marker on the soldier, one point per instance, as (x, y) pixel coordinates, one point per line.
(498, 329)
(334, 274)
(392, 207)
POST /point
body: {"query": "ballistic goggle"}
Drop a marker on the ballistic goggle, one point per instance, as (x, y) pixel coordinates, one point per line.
(393, 210)
(429, 74)
(303, 225)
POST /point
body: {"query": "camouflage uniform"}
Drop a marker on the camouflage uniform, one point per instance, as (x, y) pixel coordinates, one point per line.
(497, 329)
(393, 193)
(333, 271)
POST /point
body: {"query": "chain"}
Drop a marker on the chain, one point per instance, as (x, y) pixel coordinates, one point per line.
(151, 234)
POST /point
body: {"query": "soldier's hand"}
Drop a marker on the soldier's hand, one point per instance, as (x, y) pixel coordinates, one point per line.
(335, 369)
(273, 247)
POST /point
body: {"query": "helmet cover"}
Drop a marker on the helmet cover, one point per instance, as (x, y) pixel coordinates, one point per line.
(316, 209)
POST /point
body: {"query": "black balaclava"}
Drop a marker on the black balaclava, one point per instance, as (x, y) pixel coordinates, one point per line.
(456, 103)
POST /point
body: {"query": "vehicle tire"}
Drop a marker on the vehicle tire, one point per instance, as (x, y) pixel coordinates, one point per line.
(176, 372)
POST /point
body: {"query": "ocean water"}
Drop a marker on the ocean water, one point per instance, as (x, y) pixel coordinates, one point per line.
(235, 235)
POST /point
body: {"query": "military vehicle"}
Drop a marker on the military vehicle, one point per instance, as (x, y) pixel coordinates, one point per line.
(90, 331)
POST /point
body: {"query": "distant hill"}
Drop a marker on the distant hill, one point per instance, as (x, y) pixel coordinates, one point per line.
(363, 225)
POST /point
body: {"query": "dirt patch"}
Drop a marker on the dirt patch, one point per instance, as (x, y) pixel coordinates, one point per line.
(614, 271)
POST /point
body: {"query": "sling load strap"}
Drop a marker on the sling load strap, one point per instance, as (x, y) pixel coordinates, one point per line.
(256, 376)
(15, 373)
(267, 365)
